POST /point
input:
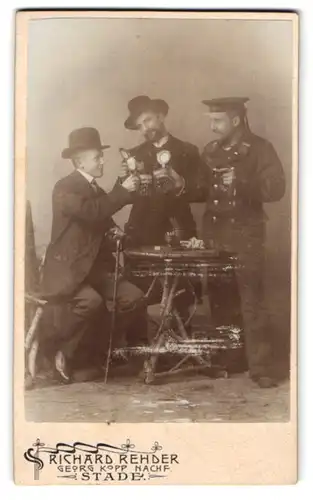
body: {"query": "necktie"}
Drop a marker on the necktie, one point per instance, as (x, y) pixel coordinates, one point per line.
(94, 186)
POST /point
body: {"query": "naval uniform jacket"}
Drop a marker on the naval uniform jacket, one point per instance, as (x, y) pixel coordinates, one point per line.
(259, 178)
(81, 218)
(150, 216)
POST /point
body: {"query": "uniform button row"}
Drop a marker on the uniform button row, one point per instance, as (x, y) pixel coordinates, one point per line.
(231, 220)
(216, 202)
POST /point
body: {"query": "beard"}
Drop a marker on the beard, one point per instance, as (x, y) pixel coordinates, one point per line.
(154, 135)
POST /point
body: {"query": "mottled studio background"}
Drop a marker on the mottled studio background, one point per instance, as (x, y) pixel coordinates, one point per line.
(82, 72)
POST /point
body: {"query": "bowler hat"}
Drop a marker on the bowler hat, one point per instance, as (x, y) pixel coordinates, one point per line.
(82, 139)
(141, 104)
(226, 104)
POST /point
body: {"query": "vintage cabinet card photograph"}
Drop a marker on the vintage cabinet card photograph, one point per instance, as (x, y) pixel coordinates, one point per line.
(156, 177)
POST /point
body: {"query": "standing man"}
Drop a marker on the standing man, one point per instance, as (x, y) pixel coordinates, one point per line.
(160, 205)
(240, 172)
(78, 271)
(153, 213)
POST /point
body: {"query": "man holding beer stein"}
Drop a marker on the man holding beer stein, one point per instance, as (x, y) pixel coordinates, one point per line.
(240, 171)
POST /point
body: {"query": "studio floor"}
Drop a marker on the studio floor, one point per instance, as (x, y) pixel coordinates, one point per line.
(193, 399)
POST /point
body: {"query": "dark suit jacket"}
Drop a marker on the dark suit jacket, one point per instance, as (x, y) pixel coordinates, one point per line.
(81, 218)
(149, 219)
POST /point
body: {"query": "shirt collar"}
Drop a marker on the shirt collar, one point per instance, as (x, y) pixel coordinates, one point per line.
(161, 142)
(87, 176)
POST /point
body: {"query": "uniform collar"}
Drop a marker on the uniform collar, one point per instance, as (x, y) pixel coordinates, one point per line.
(245, 138)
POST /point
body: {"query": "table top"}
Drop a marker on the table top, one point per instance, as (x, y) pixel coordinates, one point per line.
(177, 254)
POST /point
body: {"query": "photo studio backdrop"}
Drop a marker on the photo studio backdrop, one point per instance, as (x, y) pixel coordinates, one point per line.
(83, 72)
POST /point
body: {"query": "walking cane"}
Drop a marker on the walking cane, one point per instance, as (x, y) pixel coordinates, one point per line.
(113, 318)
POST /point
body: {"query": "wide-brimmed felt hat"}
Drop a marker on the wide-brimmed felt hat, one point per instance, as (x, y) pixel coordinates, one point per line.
(222, 104)
(141, 104)
(83, 139)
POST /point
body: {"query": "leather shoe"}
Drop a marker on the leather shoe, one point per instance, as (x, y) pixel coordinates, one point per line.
(61, 367)
(265, 382)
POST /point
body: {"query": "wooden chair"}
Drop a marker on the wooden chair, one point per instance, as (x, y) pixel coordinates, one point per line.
(34, 306)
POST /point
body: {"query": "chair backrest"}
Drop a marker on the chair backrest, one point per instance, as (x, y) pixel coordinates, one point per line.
(31, 260)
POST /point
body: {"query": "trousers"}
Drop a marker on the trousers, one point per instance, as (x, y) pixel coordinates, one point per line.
(240, 299)
(182, 303)
(86, 315)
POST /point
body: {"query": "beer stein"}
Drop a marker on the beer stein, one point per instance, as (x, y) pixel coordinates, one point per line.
(130, 161)
(172, 239)
(166, 183)
(146, 184)
(136, 168)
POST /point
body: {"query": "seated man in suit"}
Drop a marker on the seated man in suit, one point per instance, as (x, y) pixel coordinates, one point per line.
(79, 265)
